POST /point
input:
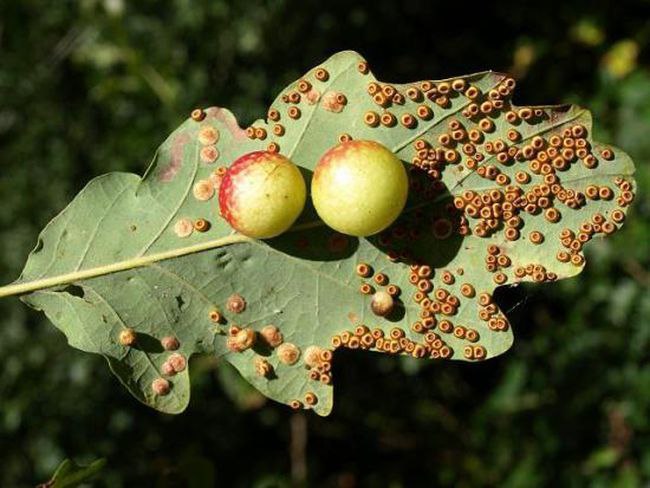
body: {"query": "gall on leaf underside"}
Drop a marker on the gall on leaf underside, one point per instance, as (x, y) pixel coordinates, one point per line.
(146, 273)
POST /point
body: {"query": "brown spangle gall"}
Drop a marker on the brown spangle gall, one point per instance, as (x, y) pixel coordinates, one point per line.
(201, 225)
(127, 337)
(366, 289)
(294, 113)
(363, 270)
(371, 119)
(160, 386)
(183, 227)
(362, 67)
(311, 399)
(288, 353)
(607, 154)
(393, 290)
(295, 404)
(321, 74)
(381, 279)
(408, 121)
(344, 137)
(387, 119)
(382, 303)
(215, 316)
(197, 115)
(536, 237)
(169, 343)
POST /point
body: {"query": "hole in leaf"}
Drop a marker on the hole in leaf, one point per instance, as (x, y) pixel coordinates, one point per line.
(75, 291)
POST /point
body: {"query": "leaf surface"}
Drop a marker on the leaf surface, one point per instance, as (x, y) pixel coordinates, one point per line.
(499, 195)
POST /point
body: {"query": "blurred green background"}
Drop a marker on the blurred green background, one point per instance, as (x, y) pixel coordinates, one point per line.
(92, 86)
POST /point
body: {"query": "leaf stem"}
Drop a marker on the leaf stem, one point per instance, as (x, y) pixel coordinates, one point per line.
(138, 262)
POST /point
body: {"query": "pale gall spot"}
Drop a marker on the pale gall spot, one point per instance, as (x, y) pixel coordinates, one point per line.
(382, 303)
(333, 101)
(128, 337)
(208, 135)
(209, 154)
(312, 356)
(288, 353)
(203, 190)
(160, 386)
(236, 303)
(183, 227)
(271, 335)
(177, 361)
(241, 340)
(170, 343)
(168, 369)
(262, 367)
(313, 96)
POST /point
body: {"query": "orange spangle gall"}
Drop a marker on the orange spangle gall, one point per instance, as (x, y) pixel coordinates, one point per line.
(288, 353)
(321, 74)
(366, 289)
(128, 337)
(183, 227)
(160, 386)
(381, 279)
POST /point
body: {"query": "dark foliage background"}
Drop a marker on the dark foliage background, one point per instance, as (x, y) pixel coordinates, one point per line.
(91, 86)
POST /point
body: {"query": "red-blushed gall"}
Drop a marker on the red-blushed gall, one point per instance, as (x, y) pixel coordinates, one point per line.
(262, 194)
(262, 367)
(169, 343)
(236, 303)
(128, 337)
(177, 361)
(160, 386)
(359, 187)
(288, 353)
(382, 303)
(183, 227)
(312, 356)
(241, 340)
